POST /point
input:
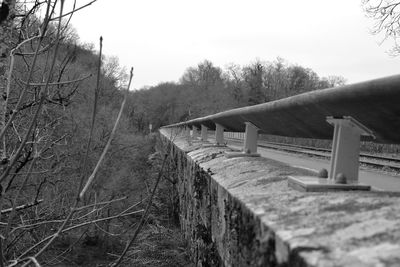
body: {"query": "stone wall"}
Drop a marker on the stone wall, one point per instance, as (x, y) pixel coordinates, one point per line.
(241, 212)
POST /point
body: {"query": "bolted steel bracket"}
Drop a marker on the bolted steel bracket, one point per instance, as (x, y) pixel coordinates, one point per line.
(249, 144)
(195, 133)
(219, 135)
(204, 133)
(187, 134)
(344, 165)
(346, 147)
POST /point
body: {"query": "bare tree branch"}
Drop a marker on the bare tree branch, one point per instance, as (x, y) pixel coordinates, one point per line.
(74, 10)
(60, 83)
(25, 206)
(93, 175)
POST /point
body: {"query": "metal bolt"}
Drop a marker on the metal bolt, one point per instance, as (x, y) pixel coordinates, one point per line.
(323, 173)
(340, 179)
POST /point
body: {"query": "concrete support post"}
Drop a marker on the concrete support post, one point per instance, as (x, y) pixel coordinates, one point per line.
(346, 148)
(250, 138)
(219, 134)
(249, 144)
(343, 173)
(204, 133)
(187, 133)
(195, 133)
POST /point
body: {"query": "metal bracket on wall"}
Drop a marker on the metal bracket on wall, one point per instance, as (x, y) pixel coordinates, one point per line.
(187, 133)
(344, 164)
(195, 133)
(249, 145)
(219, 135)
(204, 133)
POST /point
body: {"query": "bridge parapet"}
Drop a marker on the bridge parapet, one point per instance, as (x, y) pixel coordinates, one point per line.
(367, 110)
(240, 212)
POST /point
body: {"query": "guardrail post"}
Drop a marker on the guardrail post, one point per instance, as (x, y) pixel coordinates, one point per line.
(219, 134)
(195, 134)
(344, 167)
(346, 148)
(250, 138)
(204, 133)
(187, 133)
(249, 144)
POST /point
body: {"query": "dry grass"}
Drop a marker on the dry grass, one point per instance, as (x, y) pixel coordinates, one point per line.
(160, 242)
(158, 246)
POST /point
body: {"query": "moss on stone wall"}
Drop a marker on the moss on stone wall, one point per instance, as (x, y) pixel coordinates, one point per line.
(240, 212)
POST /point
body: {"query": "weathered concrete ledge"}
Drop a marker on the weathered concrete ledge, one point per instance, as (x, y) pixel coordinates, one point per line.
(240, 212)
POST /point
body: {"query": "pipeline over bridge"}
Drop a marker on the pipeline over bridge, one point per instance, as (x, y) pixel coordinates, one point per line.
(363, 111)
(236, 209)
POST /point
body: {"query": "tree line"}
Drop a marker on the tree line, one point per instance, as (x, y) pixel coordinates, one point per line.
(206, 89)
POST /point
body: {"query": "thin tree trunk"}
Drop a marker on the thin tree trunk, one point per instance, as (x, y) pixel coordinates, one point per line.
(7, 15)
(6, 26)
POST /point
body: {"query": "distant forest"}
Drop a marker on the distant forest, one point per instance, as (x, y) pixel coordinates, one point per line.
(206, 89)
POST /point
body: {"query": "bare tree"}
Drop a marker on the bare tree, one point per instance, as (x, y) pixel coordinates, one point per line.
(37, 84)
(234, 77)
(386, 14)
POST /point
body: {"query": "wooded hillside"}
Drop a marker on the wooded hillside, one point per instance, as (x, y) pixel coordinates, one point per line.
(75, 181)
(206, 89)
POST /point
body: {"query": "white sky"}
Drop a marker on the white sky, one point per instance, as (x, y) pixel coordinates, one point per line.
(161, 38)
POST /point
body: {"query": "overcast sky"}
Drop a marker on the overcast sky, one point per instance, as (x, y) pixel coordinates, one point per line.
(161, 38)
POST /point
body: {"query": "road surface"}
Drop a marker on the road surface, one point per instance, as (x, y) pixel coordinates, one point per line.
(379, 181)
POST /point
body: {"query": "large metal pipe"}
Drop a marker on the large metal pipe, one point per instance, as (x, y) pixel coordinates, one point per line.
(375, 104)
